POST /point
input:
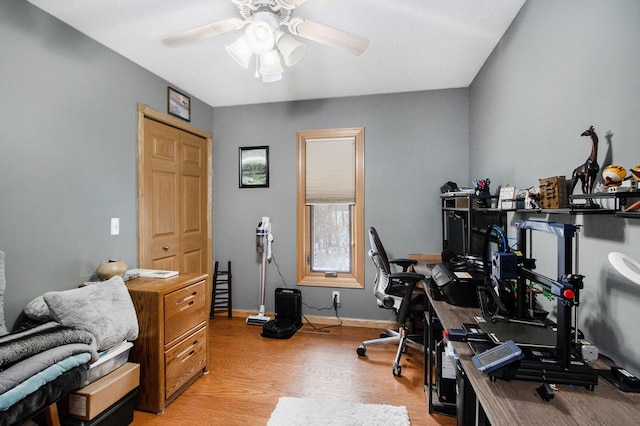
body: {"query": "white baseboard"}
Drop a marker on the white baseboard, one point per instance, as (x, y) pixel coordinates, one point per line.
(324, 320)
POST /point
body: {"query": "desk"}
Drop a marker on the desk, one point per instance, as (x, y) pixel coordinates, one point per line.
(517, 402)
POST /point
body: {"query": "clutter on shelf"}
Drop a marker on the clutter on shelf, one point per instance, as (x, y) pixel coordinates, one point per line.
(483, 192)
(587, 172)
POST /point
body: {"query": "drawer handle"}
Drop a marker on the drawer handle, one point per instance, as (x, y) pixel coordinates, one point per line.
(190, 348)
(187, 306)
(165, 248)
(191, 296)
(188, 356)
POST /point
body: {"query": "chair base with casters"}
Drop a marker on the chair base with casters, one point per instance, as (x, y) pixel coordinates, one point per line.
(393, 290)
(392, 337)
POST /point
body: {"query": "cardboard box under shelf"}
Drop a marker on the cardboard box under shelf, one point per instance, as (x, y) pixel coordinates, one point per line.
(553, 193)
(119, 414)
(460, 202)
(89, 401)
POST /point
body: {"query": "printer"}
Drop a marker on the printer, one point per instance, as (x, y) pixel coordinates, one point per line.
(457, 283)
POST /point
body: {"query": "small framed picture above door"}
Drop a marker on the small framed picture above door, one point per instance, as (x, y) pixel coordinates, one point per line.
(254, 167)
(178, 104)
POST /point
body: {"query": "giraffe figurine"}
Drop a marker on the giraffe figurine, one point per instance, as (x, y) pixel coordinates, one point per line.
(587, 173)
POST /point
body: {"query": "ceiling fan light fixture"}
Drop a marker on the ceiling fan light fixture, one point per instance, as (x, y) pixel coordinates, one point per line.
(291, 49)
(270, 64)
(260, 38)
(240, 52)
(271, 78)
(264, 38)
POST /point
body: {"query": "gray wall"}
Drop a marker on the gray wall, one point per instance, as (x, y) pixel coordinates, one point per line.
(68, 155)
(68, 164)
(68, 144)
(414, 142)
(562, 67)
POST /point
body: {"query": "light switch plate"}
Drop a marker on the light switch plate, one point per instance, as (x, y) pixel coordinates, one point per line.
(115, 226)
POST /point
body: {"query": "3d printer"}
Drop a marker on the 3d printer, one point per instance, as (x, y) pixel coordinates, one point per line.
(508, 304)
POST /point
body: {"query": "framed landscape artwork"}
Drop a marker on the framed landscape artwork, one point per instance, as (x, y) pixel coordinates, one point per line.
(254, 167)
(179, 104)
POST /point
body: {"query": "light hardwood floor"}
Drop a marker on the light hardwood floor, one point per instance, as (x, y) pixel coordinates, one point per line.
(248, 373)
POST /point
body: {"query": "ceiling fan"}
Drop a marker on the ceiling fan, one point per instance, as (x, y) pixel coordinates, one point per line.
(265, 38)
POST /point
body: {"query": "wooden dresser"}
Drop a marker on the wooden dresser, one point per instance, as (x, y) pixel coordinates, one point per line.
(172, 344)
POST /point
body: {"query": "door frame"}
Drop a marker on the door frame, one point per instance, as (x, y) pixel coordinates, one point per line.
(147, 112)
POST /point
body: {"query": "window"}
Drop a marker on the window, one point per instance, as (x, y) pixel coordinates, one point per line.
(330, 208)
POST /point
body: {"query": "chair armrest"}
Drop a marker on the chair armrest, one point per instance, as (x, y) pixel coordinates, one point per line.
(404, 263)
(406, 277)
(411, 279)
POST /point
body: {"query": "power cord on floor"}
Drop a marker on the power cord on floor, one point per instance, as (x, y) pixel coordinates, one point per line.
(334, 305)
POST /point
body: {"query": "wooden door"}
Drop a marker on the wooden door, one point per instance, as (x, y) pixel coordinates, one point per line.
(193, 203)
(174, 201)
(161, 199)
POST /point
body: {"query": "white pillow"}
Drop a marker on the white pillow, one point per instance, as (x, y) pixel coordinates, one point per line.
(103, 309)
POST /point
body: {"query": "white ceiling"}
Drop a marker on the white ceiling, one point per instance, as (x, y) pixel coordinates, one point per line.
(414, 45)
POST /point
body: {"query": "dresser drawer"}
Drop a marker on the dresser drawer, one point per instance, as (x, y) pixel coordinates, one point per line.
(184, 360)
(172, 344)
(183, 310)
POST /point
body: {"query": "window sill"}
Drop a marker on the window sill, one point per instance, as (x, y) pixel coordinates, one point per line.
(336, 282)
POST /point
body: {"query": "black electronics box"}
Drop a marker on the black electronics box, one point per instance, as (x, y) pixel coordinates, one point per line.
(119, 414)
(288, 315)
(459, 287)
(504, 266)
(445, 382)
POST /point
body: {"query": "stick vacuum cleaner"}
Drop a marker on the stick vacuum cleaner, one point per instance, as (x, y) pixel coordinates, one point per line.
(264, 237)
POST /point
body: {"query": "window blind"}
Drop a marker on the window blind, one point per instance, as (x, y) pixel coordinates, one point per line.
(330, 171)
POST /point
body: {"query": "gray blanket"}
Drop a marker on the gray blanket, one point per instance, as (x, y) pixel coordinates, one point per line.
(47, 394)
(18, 372)
(16, 347)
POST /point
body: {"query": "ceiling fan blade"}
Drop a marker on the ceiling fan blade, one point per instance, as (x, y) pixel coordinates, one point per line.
(205, 31)
(329, 36)
(290, 4)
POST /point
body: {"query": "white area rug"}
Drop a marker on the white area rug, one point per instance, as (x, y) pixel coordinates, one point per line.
(325, 412)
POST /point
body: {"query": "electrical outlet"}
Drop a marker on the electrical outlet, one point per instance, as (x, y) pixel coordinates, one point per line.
(335, 295)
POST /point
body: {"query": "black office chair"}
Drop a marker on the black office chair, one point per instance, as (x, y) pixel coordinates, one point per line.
(393, 290)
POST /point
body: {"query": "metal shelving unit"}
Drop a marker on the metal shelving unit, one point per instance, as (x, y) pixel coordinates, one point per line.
(464, 224)
(432, 336)
(619, 201)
